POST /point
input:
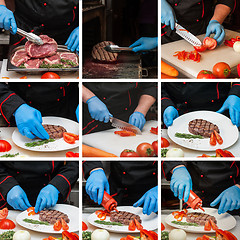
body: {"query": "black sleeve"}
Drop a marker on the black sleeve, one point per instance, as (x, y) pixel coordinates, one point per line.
(9, 102)
(149, 89)
(66, 177)
(229, 3)
(88, 166)
(167, 166)
(235, 90)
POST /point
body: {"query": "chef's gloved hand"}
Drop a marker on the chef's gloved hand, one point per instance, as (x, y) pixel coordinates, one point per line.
(29, 122)
(232, 104)
(169, 114)
(98, 110)
(229, 200)
(168, 16)
(47, 198)
(149, 201)
(181, 183)
(144, 44)
(17, 198)
(96, 184)
(7, 19)
(137, 119)
(73, 40)
(215, 27)
(77, 113)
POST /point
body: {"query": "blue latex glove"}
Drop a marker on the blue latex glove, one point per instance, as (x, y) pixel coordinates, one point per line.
(232, 104)
(228, 199)
(168, 16)
(47, 198)
(137, 119)
(144, 44)
(73, 40)
(181, 183)
(77, 113)
(17, 198)
(96, 184)
(149, 201)
(215, 27)
(29, 122)
(98, 110)
(169, 114)
(7, 19)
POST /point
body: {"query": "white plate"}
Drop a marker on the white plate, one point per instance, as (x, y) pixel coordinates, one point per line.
(71, 211)
(58, 144)
(224, 221)
(228, 131)
(148, 222)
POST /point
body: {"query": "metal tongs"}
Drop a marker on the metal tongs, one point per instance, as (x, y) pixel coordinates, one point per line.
(117, 49)
(30, 36)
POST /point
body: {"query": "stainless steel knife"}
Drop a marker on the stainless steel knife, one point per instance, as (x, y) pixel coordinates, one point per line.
(182, 32)
(124, 125)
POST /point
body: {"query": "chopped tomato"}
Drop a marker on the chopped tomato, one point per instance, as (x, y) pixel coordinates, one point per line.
(124, 238)
(24, 77)
(125, 133)
(3, 213)
(228, 153)
(213, 141)
(213, 224)
(164, 143)
(76, 137)
(30, 209)
(210, 43)
(75, 235)
(68, 139)
(132, 226)
(231, 236)
(57, 226)
(69, 236)
(207, 226)
(162, 227)
(72, 154)
(138, 224)
(183, 55)
(65, 227)
(129, 237)
(31, 213)
(5, 146)
(154, 130)
(84, 226)
(201, 48)
(7, 224)
(218, 137)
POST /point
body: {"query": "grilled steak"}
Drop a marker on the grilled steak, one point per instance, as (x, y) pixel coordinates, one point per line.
(51, 216)
(199, 218)
(100, 54)
(54, 131)
(124, 217)
(202, 127)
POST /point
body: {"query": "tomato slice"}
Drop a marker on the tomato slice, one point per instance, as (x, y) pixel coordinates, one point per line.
(57, 226)
(209, 43)
(65, 227)
(7, 224)
(154, 130)
(201, 48)
(5, 146)
(125, 133)
(84, 226)
(207, 226)
(218, 137)
(213, 141)
(138, 224)
(31, 213)
(73, 135)
(68, 139)
(213, 224)
(164, 143)
(132, 226)
(3, 213)
(162, 227)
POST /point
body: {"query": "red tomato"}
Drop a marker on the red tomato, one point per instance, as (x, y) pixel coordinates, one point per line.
(131, 226)
(207, 226)
(138, 224)
(221, 70)
(162, 227)
(68, 138)
(84, 226)
(128, 153)
(7, 224)
(238, 69)
(57, 226)
(5, 146)
(204, 74)
(3, 213)
(213, 140)
(50, 75)
(65, 227)
(155, 147)
(209, 43)
(145, 150)
(201, 48)
(164, 143)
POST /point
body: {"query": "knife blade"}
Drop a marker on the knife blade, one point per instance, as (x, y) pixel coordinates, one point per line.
(124, 125)
(182, 32)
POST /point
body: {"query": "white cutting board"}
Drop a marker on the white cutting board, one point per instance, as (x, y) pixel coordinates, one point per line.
(113, 143)
(208, 58)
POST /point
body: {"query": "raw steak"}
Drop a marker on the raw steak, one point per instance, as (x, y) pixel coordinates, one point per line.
(69, 56)
(54, 131)
(199, 218)
(124, 217)
(52, 216)
(100, 54)
(48, 48)
(202, 127)
(33, 63)
(55, 59)
(19, 57)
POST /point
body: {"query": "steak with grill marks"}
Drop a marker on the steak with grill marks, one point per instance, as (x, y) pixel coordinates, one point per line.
(52, 216)
(124, 217)
(199, 218)
(54, 131)
(202, 127)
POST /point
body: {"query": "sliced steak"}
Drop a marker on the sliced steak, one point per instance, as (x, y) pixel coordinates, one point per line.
(199, 218)
(55, 59)
(48, 48)
(33, 63)
(100, 54)
(69, 56)
(202, 127)
(54, 131)
(124, 217)
(52, 216)
(19, 57)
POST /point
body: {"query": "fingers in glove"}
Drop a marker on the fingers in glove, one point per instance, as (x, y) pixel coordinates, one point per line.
(69, 38)
(26, 132)
(72, 40)
(100, 195)
(218, 33)
(39, 131)
(146, 204)
(227, 205)
(43, 204)
(222, 205)
(221, 37)
(172, 22)
(13, 25)
(187, 192)
(237, 117)
(232, 115)
(181, 190)
(6, 23)
(137, 43)
(233, 205)
(139, 202)
(151, 206)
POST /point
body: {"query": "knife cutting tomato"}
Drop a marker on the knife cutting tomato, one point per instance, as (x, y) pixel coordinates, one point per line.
(209, 43)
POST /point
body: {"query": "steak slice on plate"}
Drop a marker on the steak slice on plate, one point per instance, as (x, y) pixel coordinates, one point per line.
(202, 127)
(124, 217)
(199, 218)
(54, 131)
(52, 216)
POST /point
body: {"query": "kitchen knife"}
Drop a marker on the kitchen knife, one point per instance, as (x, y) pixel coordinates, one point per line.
(182, 32)
(124, 125)
(117, 49)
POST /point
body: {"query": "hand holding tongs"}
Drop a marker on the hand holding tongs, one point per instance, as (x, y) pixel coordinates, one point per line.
(117, 49)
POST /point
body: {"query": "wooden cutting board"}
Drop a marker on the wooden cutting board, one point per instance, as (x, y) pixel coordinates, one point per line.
(208, 58)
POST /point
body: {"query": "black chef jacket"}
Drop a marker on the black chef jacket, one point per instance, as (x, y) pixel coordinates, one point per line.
(51, 99)
(188, 97)
(121, 100)
(194, 15)
(128, 180)
(55, 18)
(33, 176)
(210, 178)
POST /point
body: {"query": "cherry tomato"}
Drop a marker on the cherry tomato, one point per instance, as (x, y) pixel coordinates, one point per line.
(128, 153)
(3, 213)
(155, 147)
(221, 70)
(57, 226)
(7, 224)
(145, 150)
(164, 143)
(209, 43)
(50, 75)
(5, 146)
(201, 48)
(204, 74)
